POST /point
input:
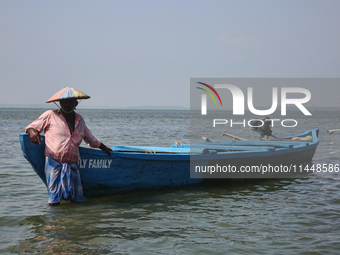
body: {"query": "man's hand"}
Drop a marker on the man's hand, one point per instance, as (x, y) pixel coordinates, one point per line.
(105, 149)
(35, 136)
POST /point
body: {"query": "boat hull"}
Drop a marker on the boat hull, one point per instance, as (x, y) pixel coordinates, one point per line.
(133, 170)
(122, 173)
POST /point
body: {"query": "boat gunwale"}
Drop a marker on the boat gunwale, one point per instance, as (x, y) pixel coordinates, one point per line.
(236, 145)
(260, 150)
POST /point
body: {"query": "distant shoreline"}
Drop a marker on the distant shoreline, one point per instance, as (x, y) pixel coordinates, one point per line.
(52, 106)
(145, 107)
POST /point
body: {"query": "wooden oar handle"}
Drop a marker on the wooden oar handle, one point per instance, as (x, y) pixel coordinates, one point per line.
(233, 136)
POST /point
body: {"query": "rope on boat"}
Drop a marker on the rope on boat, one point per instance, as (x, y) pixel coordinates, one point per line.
(178, 143)
(294, 139)
(148, 151)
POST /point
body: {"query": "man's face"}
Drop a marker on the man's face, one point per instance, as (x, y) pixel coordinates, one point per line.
(68, 105)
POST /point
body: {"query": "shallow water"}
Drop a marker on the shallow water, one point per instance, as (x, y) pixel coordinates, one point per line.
(294, 216)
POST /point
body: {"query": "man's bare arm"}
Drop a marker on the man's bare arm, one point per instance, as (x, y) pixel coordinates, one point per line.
(105, 149)
(34, 135)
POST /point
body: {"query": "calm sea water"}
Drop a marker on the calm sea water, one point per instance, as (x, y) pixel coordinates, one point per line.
(291, 216)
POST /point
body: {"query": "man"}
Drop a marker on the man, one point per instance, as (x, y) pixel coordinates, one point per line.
(64, 131)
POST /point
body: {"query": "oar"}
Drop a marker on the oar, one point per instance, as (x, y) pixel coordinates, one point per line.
(331, 131)
(233, 136)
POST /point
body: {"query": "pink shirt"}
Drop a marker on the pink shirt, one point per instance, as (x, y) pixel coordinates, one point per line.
(60, 144)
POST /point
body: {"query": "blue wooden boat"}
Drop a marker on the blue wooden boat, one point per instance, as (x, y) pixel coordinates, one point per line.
(134, 168)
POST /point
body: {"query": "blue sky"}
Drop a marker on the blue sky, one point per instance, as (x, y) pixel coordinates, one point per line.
(134, 53)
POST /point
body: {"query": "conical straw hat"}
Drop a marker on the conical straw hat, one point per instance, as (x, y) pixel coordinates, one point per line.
(67, 93)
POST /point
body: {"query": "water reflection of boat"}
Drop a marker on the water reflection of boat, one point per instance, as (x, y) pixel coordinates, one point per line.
(145, 168)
